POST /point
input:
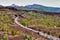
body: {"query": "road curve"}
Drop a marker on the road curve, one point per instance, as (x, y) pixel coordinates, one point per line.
(39, 33)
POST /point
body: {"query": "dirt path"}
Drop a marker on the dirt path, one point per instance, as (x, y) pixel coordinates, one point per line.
(37, 32)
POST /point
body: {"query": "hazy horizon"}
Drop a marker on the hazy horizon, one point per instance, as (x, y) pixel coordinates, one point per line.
(51, 3)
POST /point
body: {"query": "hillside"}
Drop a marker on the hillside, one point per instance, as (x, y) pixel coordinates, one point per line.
(42, 22)
(10, 30)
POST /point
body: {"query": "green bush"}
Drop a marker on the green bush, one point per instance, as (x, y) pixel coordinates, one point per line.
(25, 37)
(4, 29)
(38, 29)
(30, 38)
(13, 32)
(0, 38)
(6, 37)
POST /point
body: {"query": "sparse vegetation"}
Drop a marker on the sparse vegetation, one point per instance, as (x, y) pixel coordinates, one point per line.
(30, 19)
(40, 19)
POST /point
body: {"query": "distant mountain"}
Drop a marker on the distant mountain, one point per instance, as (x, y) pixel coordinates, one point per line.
(14, 6)
(42, 8)
(36, 7)
(1, 6)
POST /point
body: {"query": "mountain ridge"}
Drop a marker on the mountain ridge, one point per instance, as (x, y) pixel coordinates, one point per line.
(36, 7)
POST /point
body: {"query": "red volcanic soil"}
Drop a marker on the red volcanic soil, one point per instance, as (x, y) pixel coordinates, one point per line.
(53, 31)
(23, 31)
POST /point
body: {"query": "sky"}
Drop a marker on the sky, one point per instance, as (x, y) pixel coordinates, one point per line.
(52, 3)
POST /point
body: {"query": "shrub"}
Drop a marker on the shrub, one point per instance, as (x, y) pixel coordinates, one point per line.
(30, 38)
(25, 37)
(48, 32)
(44, 31)
(59, 36)
(4, 29)
(17, 32)
(0, 38)
(13, 32)
(6, 37)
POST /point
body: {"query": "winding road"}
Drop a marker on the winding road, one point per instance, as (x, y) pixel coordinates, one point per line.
(39, 33)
